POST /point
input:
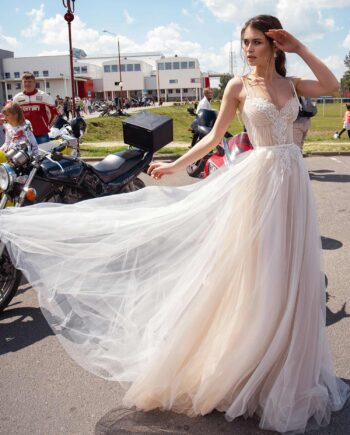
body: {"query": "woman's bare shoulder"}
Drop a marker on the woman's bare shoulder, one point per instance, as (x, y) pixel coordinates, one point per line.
(235, 86)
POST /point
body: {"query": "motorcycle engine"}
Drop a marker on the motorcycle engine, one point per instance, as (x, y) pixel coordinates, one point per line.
(93, 183)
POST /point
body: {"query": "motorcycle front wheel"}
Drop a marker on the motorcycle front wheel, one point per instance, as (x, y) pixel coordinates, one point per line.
(10, 278)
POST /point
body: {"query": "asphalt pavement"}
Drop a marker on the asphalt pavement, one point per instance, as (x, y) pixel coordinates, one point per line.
(42, 391)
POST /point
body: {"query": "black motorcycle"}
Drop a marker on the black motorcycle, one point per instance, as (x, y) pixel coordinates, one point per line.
(55, 177)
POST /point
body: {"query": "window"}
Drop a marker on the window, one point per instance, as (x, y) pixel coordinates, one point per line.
(177, 91)
(45, 73)
(7, 75)
(77, 69)
(170, 91)
(36, 73)
(176, 65)
(130, 67)
(17, 86)
(47, 85)
(162, 91)
(9, 96)
(122, 68)
(173, 81)
(8, 86)
(137, 67)
(167, 65)
(161, 66)
(107, 68)
(191, 65)
(185, 90)
(84, 69)
(184, 65)
(37, 85)
(16, 74)
(195, 80)
(115, 68)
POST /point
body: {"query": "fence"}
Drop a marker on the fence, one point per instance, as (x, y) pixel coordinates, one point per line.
(331, 107)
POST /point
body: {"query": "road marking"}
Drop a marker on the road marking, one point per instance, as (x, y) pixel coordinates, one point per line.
(336, 160)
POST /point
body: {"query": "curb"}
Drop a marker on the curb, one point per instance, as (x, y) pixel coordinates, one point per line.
(175, 156)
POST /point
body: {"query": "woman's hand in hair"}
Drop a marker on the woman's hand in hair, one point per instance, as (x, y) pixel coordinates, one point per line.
(284, 41)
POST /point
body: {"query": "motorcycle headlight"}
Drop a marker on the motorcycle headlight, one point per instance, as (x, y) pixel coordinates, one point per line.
(7, 177)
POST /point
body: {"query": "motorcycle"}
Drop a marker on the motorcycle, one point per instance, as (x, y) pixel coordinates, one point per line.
(227, 152)
(62, 130)
(200, 127)
(55, 177)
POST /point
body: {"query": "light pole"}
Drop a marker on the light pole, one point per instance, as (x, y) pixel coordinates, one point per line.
(120, 72)
(69, 17)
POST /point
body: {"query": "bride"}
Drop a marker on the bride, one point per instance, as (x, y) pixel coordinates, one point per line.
(208, 296)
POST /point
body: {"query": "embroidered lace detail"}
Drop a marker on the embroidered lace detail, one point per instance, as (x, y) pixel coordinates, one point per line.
(284, 154)
(266, 124)
(279, 117)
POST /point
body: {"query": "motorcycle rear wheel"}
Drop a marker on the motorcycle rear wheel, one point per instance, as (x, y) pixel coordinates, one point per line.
(10, 278)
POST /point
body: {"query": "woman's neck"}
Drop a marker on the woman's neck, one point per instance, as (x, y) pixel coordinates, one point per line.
(265, 73)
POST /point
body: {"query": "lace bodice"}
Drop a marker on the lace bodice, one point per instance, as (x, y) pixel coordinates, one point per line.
(265, 123)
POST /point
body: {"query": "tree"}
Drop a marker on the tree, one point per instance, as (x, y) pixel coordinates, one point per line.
(223, 83)
(345, 80)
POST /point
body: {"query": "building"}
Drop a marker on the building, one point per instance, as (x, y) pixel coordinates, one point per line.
(133, 75)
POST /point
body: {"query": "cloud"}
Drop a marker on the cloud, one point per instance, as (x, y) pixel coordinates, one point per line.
(185, 12)
(8, 42)
(129, 19)
(306, 21)
(296, 67)
(37, 16)
(346, 42)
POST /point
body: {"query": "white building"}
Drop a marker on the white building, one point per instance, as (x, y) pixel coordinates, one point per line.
(134, 75)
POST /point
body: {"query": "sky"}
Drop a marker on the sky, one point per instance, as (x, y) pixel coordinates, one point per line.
(205, 29)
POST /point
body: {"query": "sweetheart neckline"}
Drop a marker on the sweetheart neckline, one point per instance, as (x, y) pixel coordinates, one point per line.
(270, 102)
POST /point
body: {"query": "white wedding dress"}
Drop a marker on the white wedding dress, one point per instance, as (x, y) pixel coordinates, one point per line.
(202, 297)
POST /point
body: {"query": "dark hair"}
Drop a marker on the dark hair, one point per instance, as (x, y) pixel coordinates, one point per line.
(14, 109)
(264, 23)
(28, 75)
(347, 106)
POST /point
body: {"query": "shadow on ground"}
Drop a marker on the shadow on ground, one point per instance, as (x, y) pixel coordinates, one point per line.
(121, 421)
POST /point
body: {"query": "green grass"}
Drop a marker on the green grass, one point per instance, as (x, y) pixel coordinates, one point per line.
(323, 125)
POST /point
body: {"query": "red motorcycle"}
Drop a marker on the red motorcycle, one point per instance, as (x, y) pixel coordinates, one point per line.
(227, 152)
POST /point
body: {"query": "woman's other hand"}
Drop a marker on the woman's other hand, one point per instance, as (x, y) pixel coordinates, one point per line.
(158, 170)
(284, 41)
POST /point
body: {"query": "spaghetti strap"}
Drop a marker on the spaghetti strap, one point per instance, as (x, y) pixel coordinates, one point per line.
(245, 85)
(295, 91)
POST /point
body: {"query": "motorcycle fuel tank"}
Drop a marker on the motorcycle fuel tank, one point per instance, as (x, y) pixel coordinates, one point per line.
(65, 169)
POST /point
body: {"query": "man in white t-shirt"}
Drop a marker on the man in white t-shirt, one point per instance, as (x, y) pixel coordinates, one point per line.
(205, 101)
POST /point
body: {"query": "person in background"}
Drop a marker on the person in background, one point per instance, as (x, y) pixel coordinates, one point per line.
(18, 130)
(302, 123)
(38, 107)
(205, 101)
(2, 129)
(346, 124)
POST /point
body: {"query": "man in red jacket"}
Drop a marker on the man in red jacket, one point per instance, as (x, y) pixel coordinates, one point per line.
(38, 107)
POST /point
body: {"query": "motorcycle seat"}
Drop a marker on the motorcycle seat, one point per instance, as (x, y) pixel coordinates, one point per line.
(117, 164)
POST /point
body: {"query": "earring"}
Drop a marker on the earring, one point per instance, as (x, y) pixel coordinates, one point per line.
(275, 54)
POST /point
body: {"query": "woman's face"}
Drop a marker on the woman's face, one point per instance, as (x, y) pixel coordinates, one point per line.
(257, 48)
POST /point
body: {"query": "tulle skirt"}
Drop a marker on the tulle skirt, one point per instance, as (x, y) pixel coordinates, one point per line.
(202, 297)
